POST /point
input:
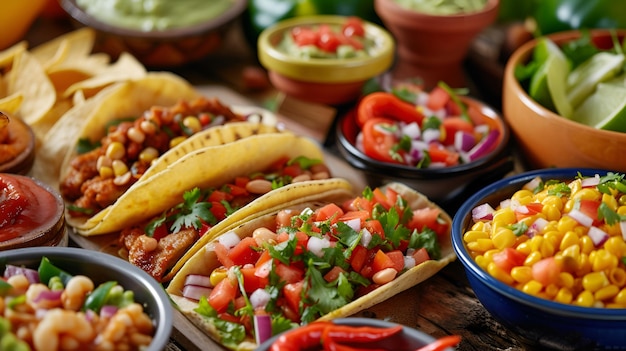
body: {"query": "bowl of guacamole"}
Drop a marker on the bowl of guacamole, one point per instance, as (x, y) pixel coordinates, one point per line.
(160, 33)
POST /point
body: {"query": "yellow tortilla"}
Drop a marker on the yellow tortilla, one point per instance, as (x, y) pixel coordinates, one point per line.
(204, 261)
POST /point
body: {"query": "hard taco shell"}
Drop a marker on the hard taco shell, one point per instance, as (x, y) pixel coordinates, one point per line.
(205, 261)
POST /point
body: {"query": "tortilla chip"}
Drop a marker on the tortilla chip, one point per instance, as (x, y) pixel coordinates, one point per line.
(28, 78)
(71, 46)
(11, 103)
(64, 78)
(8, 55)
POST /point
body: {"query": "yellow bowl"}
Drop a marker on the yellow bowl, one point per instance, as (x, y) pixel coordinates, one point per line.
(325, 80)
(16, 17)
(547, 139)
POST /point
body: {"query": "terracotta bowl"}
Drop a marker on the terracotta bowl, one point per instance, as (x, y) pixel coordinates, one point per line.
(323, 80)
(549, 140)
(160, 49)
(430, 46)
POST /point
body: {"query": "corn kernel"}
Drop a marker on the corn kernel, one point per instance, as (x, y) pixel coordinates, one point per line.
(564, 296)
(522, 274)
(551, 290)
(584, 265)
(119, 167)
(566, 280)
(193, 123)
(482, 262)
(610, 201)
(474, 235)
(176, 141)
(489, 254)
(606, 293)
(533, 287)
(621, 210)
(616, 246)
(585, 299)
(218, 275)
(535, 242)
(532, 258)
(621, 297)
(479, 227)
(524, 247)
(523, 196)
(504, 216)
(553, 200)
(148, 154)
(499, 274)
(569, 239)
(586, 244)
(586, 194)
(551, 212)
(106, 172)
(115, 150)
(481, 245)
(503, 238)
(602, 260)
(547, 248)
(565, 224)
(594, 281)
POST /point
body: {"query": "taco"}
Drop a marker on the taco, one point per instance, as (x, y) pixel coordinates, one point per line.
(314, 260)
(137, 134)
(237, 184)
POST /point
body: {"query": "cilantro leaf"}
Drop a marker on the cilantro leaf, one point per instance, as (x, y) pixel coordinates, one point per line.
(231, 334)
(428, 240)
(326, 297)
(191, 213)
(558, 189)
(610, 217)
(304, 162)
(518, 228)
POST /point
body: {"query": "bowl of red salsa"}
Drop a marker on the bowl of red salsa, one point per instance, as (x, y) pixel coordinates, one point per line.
(441, 142)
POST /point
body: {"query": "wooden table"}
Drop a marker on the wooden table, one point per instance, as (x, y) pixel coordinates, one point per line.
(442, 305)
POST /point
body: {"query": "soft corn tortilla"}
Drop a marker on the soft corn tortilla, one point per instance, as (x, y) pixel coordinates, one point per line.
(239, 149)
(205, 261)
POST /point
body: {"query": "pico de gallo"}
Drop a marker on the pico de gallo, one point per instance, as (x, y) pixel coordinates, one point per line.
(409, 126)
(157, 245)
(312, 262)
(327, 40)
(561, 240)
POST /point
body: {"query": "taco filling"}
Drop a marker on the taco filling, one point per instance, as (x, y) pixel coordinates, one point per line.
(309, 263)
(103, 170)
(157, 244)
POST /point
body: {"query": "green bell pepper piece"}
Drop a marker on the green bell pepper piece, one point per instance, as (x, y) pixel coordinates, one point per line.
(559, 15)
(47, 270)
(99, 296)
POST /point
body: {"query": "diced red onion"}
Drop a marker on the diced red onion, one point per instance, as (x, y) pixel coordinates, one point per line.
(598, 236)
(532, 184)
(262, 328)
(482, 212)
(366, 238)
(194, 292)
(412, 130)
(317, 245)
(484, 146)
(590, 182)
(581, 217)
(464, 141)
(89, 315)
(409, 262)
(430, 134)
(537, 227)
(259, 298)
(49, 295)
(264, 269)
(108, 311)
(198, 280)
(229, 239)
(30, 274)
(354, 223)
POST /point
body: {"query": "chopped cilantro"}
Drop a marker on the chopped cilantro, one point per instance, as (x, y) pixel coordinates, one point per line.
(231, 334)
(85, 145)
(190, 213)
(432, 122)
(79, 209)
(610, 217)
(304, 162)
(557, 188)
(428, 240)
(518, 228)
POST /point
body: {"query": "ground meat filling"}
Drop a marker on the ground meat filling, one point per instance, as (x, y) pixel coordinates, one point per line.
(98, 177)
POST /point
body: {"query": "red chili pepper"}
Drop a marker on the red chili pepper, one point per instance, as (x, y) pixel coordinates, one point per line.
(388, 105)
(347, 333)
(301, 338)
(441, 343)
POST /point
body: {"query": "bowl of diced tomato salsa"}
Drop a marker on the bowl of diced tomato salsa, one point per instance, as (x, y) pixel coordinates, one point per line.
(442, 142)
(544, 252)
(324, 58)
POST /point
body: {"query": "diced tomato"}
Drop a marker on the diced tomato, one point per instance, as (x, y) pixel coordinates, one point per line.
(454, 124)
(289, 274)
(293, 294)
(508, 258)
(251, 281)
(358, 257)
(219, 195)
(330, 211)
(374, 227)
(221, 252)
(360, 215)
(353, 26)
(378, 144)
(328, 41)
(381, 198)
(229, 317)
(420, 255)
(223, 294)
(304, 36)
(397, 257)
(218, 210)
(590, 208)
(437, 98)
(264, 257)
(238, 190)
(428, 217)
(546, 271)
(160, 232)
(438, 153)
(292, 170)
(381, 261)
(241, 182)
(333, 274)
(244, 252)
(528, 210)
(358, 203)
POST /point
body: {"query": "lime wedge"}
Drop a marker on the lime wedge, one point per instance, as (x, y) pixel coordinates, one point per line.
(583, 79)
(558, 68)
(619, 80)
(538, 88)
(604, 109)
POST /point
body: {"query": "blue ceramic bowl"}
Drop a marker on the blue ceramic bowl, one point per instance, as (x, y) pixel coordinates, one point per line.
(536, 321)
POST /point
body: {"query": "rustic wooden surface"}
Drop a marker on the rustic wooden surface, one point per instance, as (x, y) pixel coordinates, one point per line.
(442, 305)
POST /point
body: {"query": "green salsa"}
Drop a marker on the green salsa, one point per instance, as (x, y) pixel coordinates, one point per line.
(443, 7)
(154, 15)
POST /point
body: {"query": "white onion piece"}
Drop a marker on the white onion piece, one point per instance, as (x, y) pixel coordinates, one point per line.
(412, 130)
(505, 203)
(581, 217)
(464, 141)
(429, 135)
(354, 223)
(262, 328)
(366, 238)
(532, 184)
(194, 292)
(590, 182)
(264, 270)
(622, 227)
(537, 227)
(482, 212)
(317, 245)
(437, 165)
(229, 239)
(259, 298)
(482, 129)
(598, 236)
(199, 280)
(522, 209)
(409, 262)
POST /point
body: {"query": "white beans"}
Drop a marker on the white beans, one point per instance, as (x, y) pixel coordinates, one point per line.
(384, 276)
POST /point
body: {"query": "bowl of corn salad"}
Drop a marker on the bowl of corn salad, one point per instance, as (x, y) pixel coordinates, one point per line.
(545, 253)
